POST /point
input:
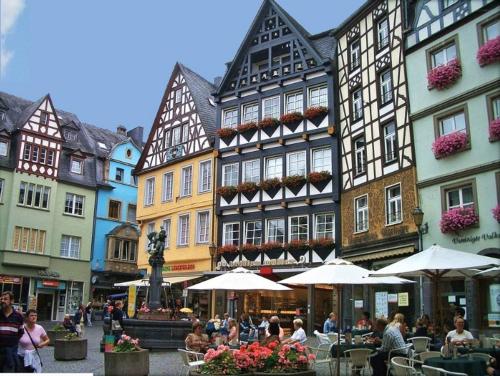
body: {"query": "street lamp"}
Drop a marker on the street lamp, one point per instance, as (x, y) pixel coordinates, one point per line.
(418, 218)
(212, 248)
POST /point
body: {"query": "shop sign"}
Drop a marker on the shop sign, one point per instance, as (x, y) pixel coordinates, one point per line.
(50, 283)
(257, 263)
(131, 301)
(403, 299)
(477, 238)
(10, 279)
(381, 306)
(48, 273)
(179, 267)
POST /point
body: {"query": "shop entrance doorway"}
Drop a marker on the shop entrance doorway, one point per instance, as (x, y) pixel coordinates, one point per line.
(44, 304)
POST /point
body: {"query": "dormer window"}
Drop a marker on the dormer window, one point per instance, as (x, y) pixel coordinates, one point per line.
(69, 136)
(4, 148)
(76, 166)
(44, 118)
(102, 145)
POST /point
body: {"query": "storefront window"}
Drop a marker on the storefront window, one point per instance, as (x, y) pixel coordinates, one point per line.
(75, 296)
(19, 286)
(489, 290)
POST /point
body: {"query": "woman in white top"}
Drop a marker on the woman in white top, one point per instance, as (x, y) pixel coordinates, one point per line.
(232, 337)
(459, 336)
(299, 335)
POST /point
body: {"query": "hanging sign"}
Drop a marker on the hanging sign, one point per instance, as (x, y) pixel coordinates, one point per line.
(403, 299)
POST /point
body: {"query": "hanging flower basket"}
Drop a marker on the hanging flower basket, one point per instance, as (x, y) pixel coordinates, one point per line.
(494, 130)
(269, 125)
(444, 75)
(292, 120)
(247, 130)
(489, 52)
(496, 212)
(458, 219)
(319, 179)
(272, 249)
(248, 189)
(294, 183)
(271, 186)
(228, 193)
(449, 144)
(316, 114)
(226, 134)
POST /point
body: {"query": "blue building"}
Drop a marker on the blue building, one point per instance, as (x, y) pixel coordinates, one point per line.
(115, 237)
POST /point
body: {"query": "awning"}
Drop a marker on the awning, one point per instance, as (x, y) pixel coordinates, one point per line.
(381, 254)
(166, 281)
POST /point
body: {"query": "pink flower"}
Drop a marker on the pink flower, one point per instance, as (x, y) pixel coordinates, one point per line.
(494, 129)
(489, 52)
(458, 219)
(496, 212)
(444, 75)
(449, 144)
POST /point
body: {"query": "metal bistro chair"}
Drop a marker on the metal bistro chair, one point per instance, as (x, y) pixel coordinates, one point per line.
(323, 339)
(358, 359)
(406, 348)
(428, 369)
(487, 358)
(323, 355)
(401, 366)
(420, 344)
(191, 360)
(423, 356)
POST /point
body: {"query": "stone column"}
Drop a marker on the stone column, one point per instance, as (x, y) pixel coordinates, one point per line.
(155, 281)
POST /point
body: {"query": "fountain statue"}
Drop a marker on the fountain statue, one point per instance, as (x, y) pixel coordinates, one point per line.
(156, 246)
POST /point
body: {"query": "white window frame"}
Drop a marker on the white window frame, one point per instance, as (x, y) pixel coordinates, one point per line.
(254, 239)
(199, 228)
(167, 226)
(383, 33)
(73, 204)
(254, 172)
(245, 118)
(273, 107)
(2, 187)
(149, 229)
(299, 161)
(299, 234)
(230, 117)
(235, 170)
(279, 175)
(149, 191)
(120, 172)
(486, 27)
(205, 176)
(355, 54)
(74, 162)
(319, 99)
(454, 122)
(42, 191)
(316, 233)
(385, 87)
(297, 105)
(275, 236)
(178, 96)
(359, 168)
(73, 254)
(390, 201)
(361, 211)
(328, 159)
(4, 148)
(357, 104)
(184, 133)
(445, 51)
(167, 191)
(390, 139)
(233, 239)
(186, 188)
(180, 239)
(462, 204)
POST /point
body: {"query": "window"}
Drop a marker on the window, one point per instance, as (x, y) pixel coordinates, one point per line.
(50, 158)
(131, 213)
(231, 233)
(271, 108)
(133, 179)
(322, 160)
(324, 226)
(44, 118)
(494, 107)
(443, 55)
(114, 210)
(74, 204)
(185, 132)
(452, 123)
(251, 171)
(357, 105)
(253, 232)
(205, 176)
(28, 240)
(167, 189)
(359, 156)
(76, 166)
(183, 230)
(296, 163)
(34, 155)
(250, 113)
(390, 144)
(27, 152)
(385, 82)
(203, 227)
(355, 55)
(124, 250)
(4, 148)
(275, 230)
(149, 191)
(166, 224)
(447, 3)
(294, 102)
(186, 181)
(361, 215)
(178, 95)
(230, 174)
(490, 30)
(383, 33)
(2, 185)
(230, 118)
(34, 195)
(274, 167)
(318, 96)
(70, 246)
(119, 174)
(43, 155)
(299, 228)
(460, 197)
(176, 136)
(393, 204)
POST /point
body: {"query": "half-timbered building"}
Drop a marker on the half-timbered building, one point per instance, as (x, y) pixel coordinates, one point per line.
(277, 173)
(378, 170)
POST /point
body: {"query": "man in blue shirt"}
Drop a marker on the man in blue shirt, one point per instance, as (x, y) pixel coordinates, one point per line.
(330, 324)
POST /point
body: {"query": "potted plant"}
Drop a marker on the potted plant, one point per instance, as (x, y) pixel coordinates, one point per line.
(489, 52)
(316, 114)
(247, 130)
(227, 193)
(271, 186)
(496, 212)
(126, 359)
(458, 219)
(219, 361)
(272, 249)
(226, 134)
(57, 332)
(297, 248)
(449, 144)
(250, 251)
(71, 347)
(294, 183)
(292, 120)
(269, 125)
(248, 189)
(494, 130)
(319, 179)
(445, 75)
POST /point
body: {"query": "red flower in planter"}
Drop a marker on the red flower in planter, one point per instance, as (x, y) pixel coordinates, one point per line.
(268, 122)
(270, 184)
(496, 212)
(297, 245)
(294, 181)
(269, 246)
(247, 127)
(322, 243)
(444, 75)
(458, 219)
(227, 192)
(291, 117)
(489, 52)
(318, 177)
(247, 187)
(314, 112)
(249, 248)
(228, 248)
(449, 144)
(495, 130)
(226, 132)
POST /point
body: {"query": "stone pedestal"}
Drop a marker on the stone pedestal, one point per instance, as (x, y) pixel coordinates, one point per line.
(155, 281)
(70, 349)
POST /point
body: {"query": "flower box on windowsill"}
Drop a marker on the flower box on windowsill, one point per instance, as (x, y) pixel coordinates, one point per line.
(319, 179)
(496, 213)
(292, 120)
(316, 114)
(272, 249)
(294, 183)
(250, 251)
(489, 52)
(458, 219)
(445, 75)
(269, 125)
(227, 134)
(248, 189)
(494, 130)
(449, 144)
(227, 193)
(323, 247)
(271, 186)
(228, 248)
(247, 130)
(297, 248)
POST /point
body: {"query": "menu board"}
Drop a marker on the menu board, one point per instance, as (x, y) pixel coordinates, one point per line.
(381, 304)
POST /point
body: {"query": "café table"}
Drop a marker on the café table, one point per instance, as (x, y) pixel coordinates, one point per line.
(465, 364)
(344, 347)
(360, 332)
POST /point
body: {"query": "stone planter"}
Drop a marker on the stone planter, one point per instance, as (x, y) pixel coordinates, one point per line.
(56, 334)
(308, 372)
(135, 363)
(70, 349)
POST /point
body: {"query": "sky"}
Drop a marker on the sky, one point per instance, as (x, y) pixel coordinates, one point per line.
(109, 61)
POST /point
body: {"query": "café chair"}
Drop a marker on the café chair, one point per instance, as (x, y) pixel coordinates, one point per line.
(358, 359)
(322, 356)
(423, 356)
(427, 369)
(323, 339)
(420, 344)
(191, 360)
(401, 366)
(406, 348)
(487, 358)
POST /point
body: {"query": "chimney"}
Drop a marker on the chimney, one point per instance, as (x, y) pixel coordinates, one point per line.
(136, 135)
(121, 130)
(217, 81)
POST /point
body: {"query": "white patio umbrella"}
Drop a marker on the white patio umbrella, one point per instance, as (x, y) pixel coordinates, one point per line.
(240, 279)
(339, 272)
(491, 272)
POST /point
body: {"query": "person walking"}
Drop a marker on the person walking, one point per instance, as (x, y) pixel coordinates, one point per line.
(78, 320)
(117, 320)
(11, 330)
(88, 313)
(34, 338)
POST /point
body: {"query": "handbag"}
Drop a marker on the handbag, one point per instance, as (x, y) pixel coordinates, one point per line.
(33, 343)
(115, 325)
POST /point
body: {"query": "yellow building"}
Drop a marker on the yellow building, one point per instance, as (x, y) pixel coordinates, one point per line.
(176, 177)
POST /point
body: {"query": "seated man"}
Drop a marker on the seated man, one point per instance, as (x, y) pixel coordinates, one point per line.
(459, 336)
(378, 332)
(393, 339)
(299, 335)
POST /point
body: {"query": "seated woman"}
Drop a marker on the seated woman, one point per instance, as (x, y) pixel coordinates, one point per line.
(364, 322)
(197, 341)
(68, 324)
(281, 332)
(232, 338)
(299, 335)
(272, 333)
(459, 336)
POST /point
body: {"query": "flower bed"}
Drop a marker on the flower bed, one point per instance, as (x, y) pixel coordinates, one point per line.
(496, 212)
(489, 52)
(444, 75)
(458, 219)
(271, 246)
(323, 243)
(494, 130)
(228, 192)
(449, 144)
(294, 183)
(314, 112)
(228, 248)
(249, 248)
(127, 358)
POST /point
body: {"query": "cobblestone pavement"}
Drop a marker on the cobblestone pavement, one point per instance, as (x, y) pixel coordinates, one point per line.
(167, 363)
